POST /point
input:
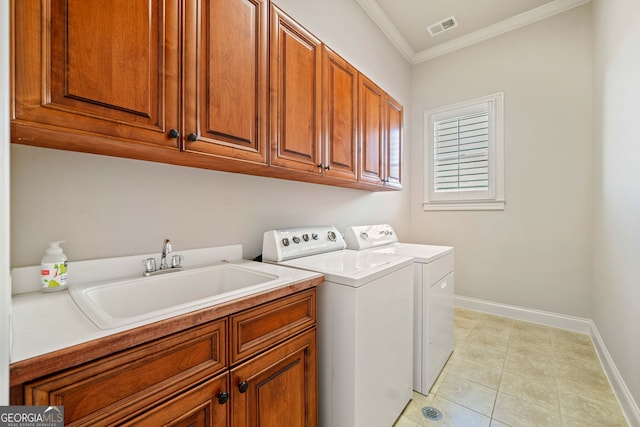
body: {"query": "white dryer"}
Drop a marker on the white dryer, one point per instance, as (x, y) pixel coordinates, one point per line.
(365, 325)
(433, 296)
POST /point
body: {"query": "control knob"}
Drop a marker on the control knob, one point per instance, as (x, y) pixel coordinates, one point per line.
(296, 239)
(364, 235)
(305, 237)
(332, 236)
(314, 236)
(285, 242)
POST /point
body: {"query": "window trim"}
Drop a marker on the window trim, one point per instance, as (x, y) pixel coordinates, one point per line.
(493, 197)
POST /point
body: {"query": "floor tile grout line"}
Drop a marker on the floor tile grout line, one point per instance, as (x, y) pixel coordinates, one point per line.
(495, 401)
(461, 405)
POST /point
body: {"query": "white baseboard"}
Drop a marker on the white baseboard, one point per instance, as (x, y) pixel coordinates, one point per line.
(575, 324)
(628, 404)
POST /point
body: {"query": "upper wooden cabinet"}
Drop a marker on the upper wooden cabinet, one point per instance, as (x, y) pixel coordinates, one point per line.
(143, 72)
(371, 124)
(225, 71)
(314, 103)
(99, 68)
(295, 95)
(339, 116)
(380, 125)
(232, 85)
(393, 143)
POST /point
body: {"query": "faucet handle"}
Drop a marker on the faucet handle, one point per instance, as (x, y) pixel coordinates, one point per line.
(166, 246)
(149, 265)
(176, 260)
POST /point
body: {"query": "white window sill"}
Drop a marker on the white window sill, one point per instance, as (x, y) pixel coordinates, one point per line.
(485, 205)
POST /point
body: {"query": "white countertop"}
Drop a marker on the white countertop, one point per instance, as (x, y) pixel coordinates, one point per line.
(46, 322)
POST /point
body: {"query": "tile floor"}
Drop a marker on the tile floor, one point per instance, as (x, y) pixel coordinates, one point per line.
(506, 372)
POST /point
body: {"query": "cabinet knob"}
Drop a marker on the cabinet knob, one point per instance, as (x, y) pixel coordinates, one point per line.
(328, 167)
(243, 387)
(223, 397)
(320, 166)
(193, 137)
(174, 133)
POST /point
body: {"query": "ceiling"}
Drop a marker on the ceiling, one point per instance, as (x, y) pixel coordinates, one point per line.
(405, 22)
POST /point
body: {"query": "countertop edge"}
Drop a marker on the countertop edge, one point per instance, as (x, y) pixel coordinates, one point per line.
(45, 364)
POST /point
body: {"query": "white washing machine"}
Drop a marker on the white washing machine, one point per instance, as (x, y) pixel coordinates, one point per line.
(433, 300)
(365, 325)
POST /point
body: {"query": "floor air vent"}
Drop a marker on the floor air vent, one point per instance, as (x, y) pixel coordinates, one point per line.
(431, 413)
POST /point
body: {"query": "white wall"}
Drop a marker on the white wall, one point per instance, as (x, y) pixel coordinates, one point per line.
(5, 283)
(617, 175)
(109, 207)
(536, 253)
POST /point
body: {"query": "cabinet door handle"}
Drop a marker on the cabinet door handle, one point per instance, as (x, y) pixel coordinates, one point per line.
(243, 387)
(193, 137)
(174, 133)
(223, 397)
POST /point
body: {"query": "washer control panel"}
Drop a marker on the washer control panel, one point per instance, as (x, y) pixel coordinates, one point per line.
(360, 237)
(289, 243)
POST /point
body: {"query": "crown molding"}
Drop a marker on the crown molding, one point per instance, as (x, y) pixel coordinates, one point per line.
(534, 15)
(384, 23)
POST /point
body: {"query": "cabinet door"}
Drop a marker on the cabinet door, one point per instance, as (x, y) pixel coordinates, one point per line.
(371, 121)
(119, 386)
(203, 406)
(339, 116)
(225, 69)
(279, 387)
(295, 82)
(393, 143)
(100, 68)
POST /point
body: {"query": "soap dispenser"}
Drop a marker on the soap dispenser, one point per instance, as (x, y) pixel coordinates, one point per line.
(53, 269)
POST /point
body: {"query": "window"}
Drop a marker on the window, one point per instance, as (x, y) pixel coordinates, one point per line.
(464, 156)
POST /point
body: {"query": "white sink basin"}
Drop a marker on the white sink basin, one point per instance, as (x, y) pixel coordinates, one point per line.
(124, 302)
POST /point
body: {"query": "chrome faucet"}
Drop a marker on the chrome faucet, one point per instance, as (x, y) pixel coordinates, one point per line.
(150, 263)
(166, 248)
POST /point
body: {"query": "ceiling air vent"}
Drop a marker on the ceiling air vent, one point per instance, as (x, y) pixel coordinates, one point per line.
(442, 26)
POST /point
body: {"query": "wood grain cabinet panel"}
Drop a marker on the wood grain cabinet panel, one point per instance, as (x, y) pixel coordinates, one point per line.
(339, 116)
(295, 83)
(278, 388)
(380, 125)
(256, 329)
(105, 67)
(112, 388)
(393, 141)
(199, 407)
(371, 122)
(225, 73)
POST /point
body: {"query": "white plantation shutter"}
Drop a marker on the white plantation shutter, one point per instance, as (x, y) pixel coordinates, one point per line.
(461, 153)
(464, 159)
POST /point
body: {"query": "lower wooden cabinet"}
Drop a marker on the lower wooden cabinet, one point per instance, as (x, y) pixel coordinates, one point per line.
(256, 367)
(130, 382)
(278, 388)
(203, 406)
